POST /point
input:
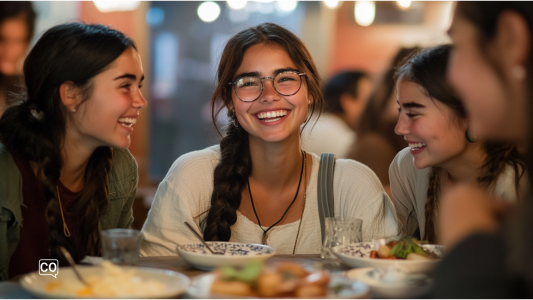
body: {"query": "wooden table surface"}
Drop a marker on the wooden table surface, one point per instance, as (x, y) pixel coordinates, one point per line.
(176, 263)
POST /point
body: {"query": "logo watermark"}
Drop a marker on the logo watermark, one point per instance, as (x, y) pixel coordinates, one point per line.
(49, 267)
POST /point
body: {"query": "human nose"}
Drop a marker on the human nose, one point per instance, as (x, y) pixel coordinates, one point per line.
(138, 100)
(402, 127)
(269, 92)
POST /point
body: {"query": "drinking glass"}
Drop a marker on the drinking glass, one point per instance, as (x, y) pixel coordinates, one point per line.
(121, 246)
(340, 231)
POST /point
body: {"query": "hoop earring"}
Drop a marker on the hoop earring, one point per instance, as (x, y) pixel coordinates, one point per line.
(470, 137)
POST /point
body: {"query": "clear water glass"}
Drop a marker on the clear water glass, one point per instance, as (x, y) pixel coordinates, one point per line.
(340, 231)
(121, 246)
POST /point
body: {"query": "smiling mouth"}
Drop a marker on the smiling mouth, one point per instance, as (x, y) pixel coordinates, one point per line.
(272, 116)
(416, 146)
(128, 122)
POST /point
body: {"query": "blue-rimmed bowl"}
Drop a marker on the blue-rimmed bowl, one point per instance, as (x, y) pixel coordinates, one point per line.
(235, 254)
(358, 256)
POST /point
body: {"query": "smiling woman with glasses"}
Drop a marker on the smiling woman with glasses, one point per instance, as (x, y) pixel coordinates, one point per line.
(258, 185)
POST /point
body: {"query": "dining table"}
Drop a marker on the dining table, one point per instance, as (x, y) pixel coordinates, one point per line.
(12, 289)
(308, 261)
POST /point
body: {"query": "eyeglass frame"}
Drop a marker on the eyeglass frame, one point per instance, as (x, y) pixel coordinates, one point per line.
(300, 74)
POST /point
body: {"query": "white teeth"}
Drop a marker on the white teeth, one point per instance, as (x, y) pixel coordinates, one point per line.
(272, 120)
(416, 145)
(127, 121)
(272, 114)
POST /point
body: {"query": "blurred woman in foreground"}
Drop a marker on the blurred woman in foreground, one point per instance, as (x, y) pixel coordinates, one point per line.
(491, 68)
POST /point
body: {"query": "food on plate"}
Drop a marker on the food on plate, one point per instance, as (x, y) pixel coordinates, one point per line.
(406, 248)
(114, 281)
(288, 279)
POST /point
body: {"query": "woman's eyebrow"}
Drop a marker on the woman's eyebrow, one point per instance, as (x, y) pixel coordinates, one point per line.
(127, 75)
(277, 71)
(410, 105)
(256, 74)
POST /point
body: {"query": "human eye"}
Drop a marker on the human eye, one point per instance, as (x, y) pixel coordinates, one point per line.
(246, 81)
(286, 76)
(125, 86)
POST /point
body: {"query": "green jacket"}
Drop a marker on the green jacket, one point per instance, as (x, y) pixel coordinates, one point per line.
(122, 188)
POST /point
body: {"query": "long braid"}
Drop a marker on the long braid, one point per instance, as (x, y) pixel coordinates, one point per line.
(230, 177)
(432, 204)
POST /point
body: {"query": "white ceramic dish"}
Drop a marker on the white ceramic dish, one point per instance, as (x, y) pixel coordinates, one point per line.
(358, 256)
(235, 254)
(176, 283)
(201, 286)
(413, 289)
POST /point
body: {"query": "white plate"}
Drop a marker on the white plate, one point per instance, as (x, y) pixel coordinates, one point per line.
(358, 256)
(36, 284)
(201, 286)
(378, 289)
(235, 254)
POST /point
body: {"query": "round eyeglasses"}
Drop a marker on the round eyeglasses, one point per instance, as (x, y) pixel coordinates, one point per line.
(250, 88)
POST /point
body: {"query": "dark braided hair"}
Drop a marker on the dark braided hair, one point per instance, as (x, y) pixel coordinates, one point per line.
(428, 70)
(35, 127)
(235, 165)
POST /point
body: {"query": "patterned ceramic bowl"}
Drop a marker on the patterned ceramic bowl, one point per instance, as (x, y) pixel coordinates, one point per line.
(358, 256)
(235, 254)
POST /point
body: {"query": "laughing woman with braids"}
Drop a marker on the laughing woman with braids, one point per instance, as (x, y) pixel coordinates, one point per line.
(441, 151)
(258, 186)
(65, 172)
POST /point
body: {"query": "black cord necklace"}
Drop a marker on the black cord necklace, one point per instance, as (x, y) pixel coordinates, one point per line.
(265, 235)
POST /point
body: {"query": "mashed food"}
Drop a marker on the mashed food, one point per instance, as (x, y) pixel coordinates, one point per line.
(114, 281)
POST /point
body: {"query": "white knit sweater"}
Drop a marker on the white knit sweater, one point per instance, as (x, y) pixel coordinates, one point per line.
(185, 194)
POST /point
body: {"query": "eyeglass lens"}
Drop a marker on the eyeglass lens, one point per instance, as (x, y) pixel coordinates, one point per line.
(249, 88)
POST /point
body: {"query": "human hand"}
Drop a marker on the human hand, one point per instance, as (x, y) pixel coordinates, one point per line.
(465, 210)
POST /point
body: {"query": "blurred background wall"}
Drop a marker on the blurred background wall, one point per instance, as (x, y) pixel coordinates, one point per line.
(180, 44)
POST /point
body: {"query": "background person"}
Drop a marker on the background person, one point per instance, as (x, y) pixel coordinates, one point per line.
(441, 152)
(491, 68)
(17, 24)
(345, 97)
(376, 143)
(258, 185)
(66, 171)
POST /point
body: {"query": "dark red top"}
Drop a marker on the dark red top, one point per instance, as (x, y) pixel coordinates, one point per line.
(33, 244)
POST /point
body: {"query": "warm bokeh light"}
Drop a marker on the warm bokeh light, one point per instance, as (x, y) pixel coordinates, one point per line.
(109, 6)
(331, 3)
(287, 5)
(236, 4)
(365, 12)
(208, 11)
(403, 4)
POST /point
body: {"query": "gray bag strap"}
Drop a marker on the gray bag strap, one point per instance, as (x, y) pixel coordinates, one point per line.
(325, 189)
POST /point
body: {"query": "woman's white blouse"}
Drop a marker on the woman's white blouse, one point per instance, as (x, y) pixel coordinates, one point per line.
(184, 195)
